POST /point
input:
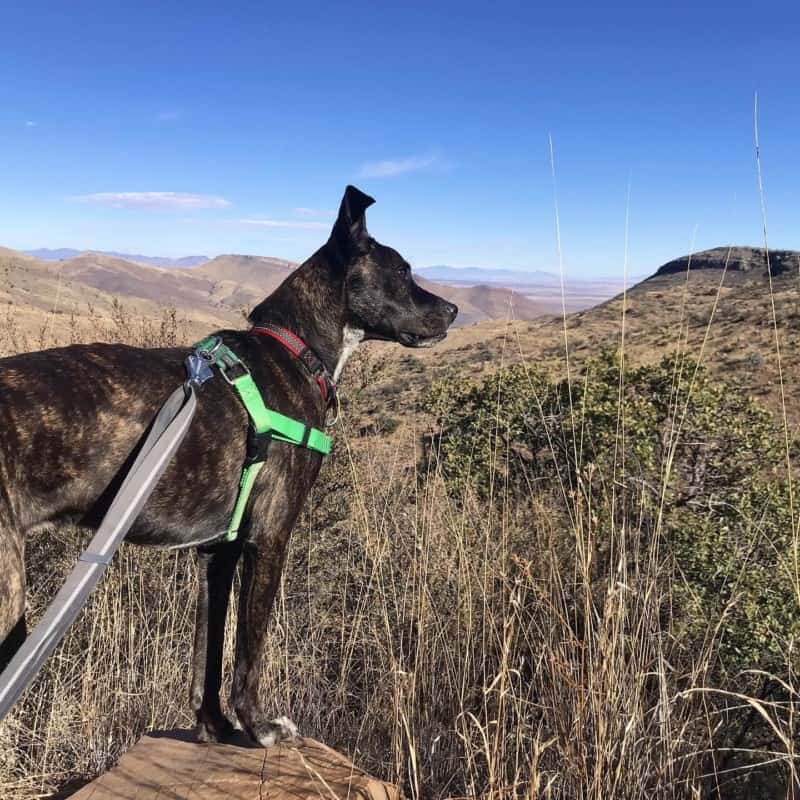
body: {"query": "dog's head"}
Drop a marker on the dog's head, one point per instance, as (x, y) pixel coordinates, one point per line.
(381, 296)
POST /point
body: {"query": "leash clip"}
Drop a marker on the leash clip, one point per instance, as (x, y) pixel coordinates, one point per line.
(199, 362)
(198, 368)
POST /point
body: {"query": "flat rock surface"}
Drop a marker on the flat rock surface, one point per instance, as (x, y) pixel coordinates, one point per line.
(171, 766)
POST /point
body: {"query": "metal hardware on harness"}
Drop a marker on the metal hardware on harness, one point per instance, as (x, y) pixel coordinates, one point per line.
(198, 369)
(208, 346)
(215, 353)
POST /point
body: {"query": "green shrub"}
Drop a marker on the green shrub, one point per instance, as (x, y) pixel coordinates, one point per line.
(663, 451)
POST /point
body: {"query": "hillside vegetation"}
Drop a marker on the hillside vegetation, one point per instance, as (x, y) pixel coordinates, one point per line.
(729, 318)
(61, 301)
(527, 571)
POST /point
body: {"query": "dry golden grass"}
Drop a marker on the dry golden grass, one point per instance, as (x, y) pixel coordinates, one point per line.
(458, 647)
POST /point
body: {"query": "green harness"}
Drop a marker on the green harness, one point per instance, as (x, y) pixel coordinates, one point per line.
(265, 423)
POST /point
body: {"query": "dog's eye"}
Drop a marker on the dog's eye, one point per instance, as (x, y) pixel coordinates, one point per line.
(404, 270)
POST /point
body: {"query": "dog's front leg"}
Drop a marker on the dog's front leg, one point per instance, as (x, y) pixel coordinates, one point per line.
(261, 571)
(216, 565)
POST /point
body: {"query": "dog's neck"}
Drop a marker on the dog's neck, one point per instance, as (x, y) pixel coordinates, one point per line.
(311, 303)
(351, 338)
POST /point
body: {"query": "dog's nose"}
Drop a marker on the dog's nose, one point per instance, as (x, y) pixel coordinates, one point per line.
(452, 310)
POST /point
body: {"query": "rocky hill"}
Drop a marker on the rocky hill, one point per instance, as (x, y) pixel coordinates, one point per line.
(737, 259)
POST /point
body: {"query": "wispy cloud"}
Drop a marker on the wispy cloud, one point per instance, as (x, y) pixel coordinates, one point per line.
(391, 167)
(153, 200)
(314, 212)
(169, 116)
(296, 224)
(30, 123)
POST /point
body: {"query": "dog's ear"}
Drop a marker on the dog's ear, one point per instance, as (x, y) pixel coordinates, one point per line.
(350, 229)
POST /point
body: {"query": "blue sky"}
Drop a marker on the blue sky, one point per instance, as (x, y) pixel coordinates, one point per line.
(170, 128)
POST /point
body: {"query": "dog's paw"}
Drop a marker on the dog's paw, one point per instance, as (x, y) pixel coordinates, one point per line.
(217, 729)
(275, 731)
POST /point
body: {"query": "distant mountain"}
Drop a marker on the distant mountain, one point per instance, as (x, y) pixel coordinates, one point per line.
(251, 270)
(221, 287)
(61, 253)
(184, 261)
(230, 280)
(737, 258)
(478, 303)
(242, 281)
(124, 278)
(53, 255)
(477, 275)
(48, 302)
(535, 290)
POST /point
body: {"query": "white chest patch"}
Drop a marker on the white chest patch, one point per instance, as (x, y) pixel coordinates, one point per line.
(351, 338)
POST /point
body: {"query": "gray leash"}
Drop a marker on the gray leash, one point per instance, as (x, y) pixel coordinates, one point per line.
(169, 428)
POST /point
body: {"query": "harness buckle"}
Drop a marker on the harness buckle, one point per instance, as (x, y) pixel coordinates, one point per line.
(257, 445)
(317, 368)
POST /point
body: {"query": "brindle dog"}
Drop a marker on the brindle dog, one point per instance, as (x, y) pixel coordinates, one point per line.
(71, 418)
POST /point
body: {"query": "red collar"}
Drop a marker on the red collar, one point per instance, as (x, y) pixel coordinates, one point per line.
(297, 347)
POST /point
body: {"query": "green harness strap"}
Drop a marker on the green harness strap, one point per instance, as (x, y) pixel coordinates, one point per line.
(265, 422)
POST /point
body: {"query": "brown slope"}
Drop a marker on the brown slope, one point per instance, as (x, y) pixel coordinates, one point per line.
(478, 303)
(233, 281)
(498, 302)
(242, 281)
(75, 290)
(50, 303)
(722, 318)
(236, 281)
(125, 278)
(25, 282)
(257, 271)
(7, 254)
